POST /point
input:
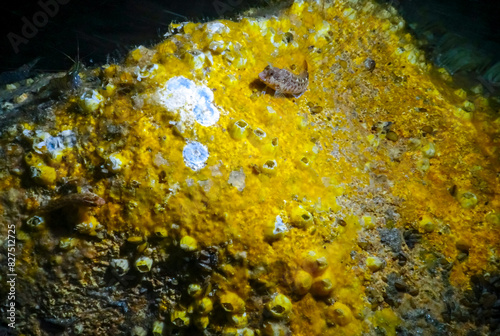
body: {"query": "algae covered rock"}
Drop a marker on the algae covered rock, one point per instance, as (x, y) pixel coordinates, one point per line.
(247, 211)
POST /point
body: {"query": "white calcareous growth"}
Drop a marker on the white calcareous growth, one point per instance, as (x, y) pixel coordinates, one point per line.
(216, 27)
(91, 100)
(237, 179)
(192, 103)
(44, 142)
(115, 162)
(279, 226)
(195, 155)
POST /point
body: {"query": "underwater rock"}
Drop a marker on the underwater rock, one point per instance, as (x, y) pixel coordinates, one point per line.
(250, 213)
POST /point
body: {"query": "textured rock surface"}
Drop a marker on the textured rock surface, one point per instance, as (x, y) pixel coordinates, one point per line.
(364, 206)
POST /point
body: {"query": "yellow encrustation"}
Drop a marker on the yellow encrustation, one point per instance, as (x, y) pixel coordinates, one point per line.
(289, 184)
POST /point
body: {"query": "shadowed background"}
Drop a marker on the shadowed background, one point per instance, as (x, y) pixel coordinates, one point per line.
(102, 29)
(461, 35)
